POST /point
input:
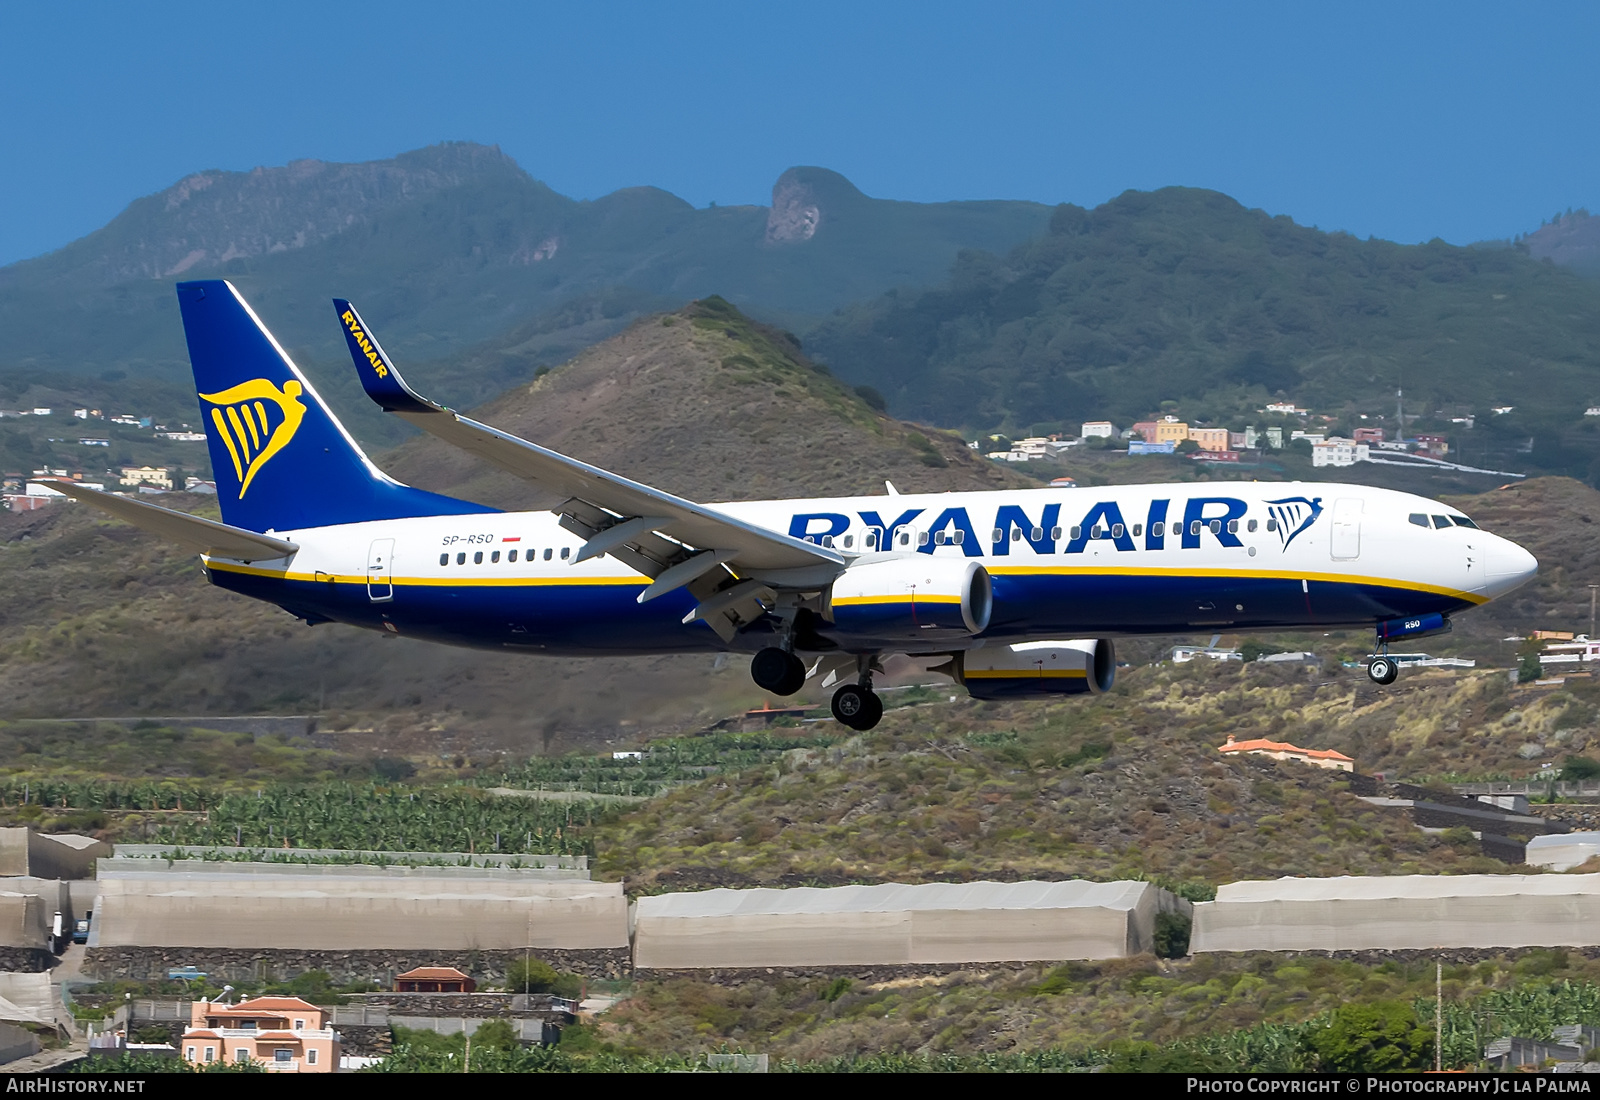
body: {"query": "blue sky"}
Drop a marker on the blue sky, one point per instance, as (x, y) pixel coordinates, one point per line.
(1405, 121)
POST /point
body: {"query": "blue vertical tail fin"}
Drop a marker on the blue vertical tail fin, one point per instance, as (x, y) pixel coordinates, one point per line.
(282, 460)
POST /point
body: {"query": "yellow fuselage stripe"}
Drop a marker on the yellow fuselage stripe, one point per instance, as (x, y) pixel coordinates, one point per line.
(1004, 570)
(1226, 574)
(1018, 673)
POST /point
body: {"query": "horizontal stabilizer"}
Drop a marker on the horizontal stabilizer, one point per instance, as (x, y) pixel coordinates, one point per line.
(203, 536)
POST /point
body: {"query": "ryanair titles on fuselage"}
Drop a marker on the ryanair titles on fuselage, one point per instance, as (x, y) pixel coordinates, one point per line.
(1044, 531)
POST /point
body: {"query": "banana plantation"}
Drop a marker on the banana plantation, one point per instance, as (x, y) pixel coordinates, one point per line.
(332, 815)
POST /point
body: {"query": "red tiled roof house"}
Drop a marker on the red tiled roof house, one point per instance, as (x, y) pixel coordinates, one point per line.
(1282, 750)
(434, 979)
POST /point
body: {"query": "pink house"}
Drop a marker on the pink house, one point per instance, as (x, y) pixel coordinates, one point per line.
(283, 1034)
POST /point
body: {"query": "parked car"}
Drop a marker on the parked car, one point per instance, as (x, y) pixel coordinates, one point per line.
(80, 928)
(184, 974)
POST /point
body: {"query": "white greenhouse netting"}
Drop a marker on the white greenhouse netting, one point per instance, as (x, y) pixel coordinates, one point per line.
(1563, 851)
(362, 910)
(1400, 912)
(934, 923)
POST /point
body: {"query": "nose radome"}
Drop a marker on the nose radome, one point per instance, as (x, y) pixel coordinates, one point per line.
(1509, 565)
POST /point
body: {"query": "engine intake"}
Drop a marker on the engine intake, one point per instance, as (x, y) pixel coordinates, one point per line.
(1032, 670)
(915, 597)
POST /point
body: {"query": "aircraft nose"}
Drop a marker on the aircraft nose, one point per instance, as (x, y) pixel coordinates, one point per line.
(1507, 565)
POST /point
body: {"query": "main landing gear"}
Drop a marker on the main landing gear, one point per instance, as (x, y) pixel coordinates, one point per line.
(782, 673)
(778, 671)
(857, 706)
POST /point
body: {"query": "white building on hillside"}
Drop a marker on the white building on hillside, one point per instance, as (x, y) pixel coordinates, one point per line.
(1338, 452)
(1098, 429)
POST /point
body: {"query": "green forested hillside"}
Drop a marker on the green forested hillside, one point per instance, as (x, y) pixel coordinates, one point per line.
(1183, 295)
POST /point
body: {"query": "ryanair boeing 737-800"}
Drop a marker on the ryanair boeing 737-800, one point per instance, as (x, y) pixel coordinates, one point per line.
(1014, 594)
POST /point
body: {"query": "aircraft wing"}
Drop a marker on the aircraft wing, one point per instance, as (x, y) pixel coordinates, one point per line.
(661, 535)
(204, 536)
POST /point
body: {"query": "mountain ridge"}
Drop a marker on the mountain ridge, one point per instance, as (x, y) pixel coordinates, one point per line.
(460, 244)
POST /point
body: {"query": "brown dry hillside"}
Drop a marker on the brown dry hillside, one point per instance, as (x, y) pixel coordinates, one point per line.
(709, 405)
(1558, 520)
(97, 619)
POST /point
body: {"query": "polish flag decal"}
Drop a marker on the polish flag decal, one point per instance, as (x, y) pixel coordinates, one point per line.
(510, 538)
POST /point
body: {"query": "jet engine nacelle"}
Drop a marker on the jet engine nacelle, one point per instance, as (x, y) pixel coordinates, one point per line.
(1032, 670)
(911, 598)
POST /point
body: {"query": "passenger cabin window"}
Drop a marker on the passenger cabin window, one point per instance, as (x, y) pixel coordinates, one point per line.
(905, 538)
(1419, 519)
(1251, 526)
(512, 556)
(958, 537)
(1233, 527)
(870, 540)
(1138, 529)
(1216, 527)
(1055, 533)
(1096, 532)
(461, 558)
(477, 558)
(1194, 528)
(566, 552)
(495, 556)
(827, 540)
(849, 541)
(1158, 528)
(548, 553)
(938, 538)
(922, 538)
(1272, 525)
(444, 559)
(1116, 530)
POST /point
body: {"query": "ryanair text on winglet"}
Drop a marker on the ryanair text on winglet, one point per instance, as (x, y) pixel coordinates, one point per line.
(365, 344)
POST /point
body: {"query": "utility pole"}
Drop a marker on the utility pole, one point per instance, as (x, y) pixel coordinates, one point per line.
(1592, 589)
(1438, 1016)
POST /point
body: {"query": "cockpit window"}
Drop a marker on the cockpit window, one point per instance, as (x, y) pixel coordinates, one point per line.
(1419, 519)
(1441, 522)
(1463, 521)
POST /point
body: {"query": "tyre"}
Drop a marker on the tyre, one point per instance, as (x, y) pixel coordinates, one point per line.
(777, 671)
(1383, 670)
(857, 707)
(874, 713)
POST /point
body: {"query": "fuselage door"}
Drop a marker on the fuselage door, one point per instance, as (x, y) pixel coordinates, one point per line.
(1347, 529)
(380, 585)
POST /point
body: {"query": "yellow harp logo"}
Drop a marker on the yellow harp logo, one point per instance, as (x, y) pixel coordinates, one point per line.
(256, 420)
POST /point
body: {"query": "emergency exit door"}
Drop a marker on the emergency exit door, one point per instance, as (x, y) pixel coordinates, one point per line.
(380, 583)
(1347, 529)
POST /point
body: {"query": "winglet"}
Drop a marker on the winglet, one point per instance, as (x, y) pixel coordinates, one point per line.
(378, 376)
